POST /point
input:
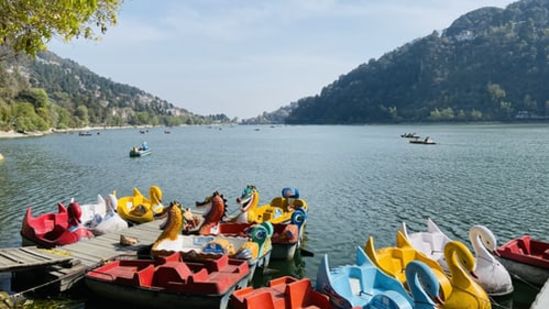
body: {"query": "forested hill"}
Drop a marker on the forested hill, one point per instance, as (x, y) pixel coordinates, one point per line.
(490, 64)
(52, 92)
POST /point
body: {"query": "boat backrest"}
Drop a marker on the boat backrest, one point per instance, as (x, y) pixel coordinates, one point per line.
(171, 274)
(523, 245)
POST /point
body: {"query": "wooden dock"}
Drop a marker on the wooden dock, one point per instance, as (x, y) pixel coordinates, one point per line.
(64, 266)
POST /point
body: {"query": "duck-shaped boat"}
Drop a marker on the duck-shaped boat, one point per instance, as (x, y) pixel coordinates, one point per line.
(279, 210)
(170, 281)
(281, 293)
(364, 285)
(102, 218)
(139, 209)
(55, 229)
(526, 258)
(393, 261)
(285, 238)
(255, 247)
(492, 276)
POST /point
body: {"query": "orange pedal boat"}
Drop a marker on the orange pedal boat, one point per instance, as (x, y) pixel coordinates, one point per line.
(282, 293)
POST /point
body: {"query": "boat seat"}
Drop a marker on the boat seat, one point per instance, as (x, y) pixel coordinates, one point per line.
(171, 275)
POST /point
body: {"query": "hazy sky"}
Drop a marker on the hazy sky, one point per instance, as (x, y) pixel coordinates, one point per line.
(243, 57)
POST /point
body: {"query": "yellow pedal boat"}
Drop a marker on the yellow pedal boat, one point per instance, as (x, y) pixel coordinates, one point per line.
(393, 261)
(138, 208)
(466, 293)
(279, 210)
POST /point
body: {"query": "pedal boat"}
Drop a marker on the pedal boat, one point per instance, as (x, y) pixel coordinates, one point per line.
(170, 281)
(281, 293)
(492, 275)
(140, 151)
(101, 218)
(285, 239)
(138, 208)
(54, 229)
(364, 285)
(255, 248)
(280, 209)
(526, 258)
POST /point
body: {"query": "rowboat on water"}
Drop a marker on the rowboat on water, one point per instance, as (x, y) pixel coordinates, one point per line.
(281, 293)
(526, 258)
(55, 229)
(285, 239)
(426, 141)
(140, 151)
(170, 281)
(409, 135)
(491, 274)
(85, 133)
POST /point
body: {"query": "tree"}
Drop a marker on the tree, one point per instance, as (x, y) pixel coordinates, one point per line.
(28, 25)
(82, 114)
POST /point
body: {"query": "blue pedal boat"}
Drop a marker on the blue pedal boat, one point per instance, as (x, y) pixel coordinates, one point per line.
(363, 285)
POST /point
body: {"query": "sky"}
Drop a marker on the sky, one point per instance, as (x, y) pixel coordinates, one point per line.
(243, 57)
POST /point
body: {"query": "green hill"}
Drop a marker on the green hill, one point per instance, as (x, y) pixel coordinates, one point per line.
(52, 92)
(490, 64)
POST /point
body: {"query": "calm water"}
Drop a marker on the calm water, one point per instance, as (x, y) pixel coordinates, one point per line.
(358, 180)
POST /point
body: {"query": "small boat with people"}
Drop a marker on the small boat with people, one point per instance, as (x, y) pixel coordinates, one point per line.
(170, 281)
(140, 151)
(425, 141)
(526, 258)
(285, 239)
(87, 133)
(280, 293)
(55, 229)
(364, 285)
(139, 209)
(490, 273)
(409, 135)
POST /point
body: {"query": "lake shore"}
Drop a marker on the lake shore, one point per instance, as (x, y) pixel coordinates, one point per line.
(14, 134)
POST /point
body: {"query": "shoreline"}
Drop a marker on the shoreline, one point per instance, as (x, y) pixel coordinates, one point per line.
(12, 134)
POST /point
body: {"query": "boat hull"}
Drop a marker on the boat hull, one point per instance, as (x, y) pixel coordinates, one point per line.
(529, 273)
(284, 251)
(158, 299)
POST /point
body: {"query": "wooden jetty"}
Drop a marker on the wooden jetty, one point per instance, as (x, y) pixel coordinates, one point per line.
(66, 265)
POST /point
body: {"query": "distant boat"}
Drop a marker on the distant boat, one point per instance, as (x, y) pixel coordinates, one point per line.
(167, 132)
(426, 141)
(142, 131)
(140, 151)
(85, 133)
(409, 135)
(257, 129)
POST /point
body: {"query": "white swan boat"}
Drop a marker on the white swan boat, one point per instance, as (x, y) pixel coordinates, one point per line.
(492, 275)
(101, 217)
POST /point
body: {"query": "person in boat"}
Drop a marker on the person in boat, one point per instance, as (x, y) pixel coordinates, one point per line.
(144, 146)
(427, 139)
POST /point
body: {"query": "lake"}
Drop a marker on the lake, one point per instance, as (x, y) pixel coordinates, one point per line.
(358, 180)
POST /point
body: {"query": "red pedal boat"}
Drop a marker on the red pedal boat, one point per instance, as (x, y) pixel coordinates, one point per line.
(169, 282)
(282, 293)
(54, 229)
(526, 258)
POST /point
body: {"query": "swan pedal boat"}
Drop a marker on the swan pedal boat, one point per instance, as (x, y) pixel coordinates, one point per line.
(170, 281)
(364, 285)
(285, 239)
(281, 293)
(255, 247)
(139, 209)
(459, 290)
(526, 258)
(492, 275)
(54, 229)
(101, 217)
(278, 211)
